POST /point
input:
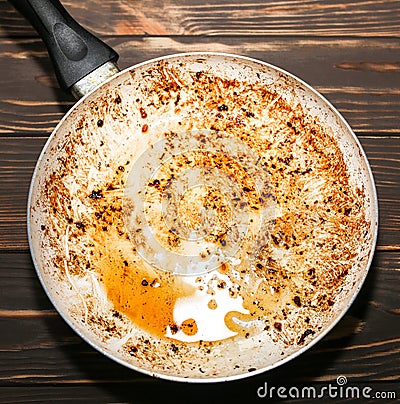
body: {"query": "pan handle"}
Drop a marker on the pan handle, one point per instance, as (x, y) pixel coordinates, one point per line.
(74, 51)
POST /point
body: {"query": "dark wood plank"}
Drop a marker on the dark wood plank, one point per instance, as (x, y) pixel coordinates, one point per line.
(240, 392)
(347, 49)
(360, 77)
(195, 17)
(38, 348)
(73, 394)
(18, 157)
(17, 161)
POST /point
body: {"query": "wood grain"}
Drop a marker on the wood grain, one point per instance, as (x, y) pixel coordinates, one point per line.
(348, 50)
(44, 350)
(195, 17)
(18, 157)
(357, 76)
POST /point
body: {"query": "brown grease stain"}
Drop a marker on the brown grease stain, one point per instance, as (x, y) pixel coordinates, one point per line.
(212, 304)
(224, 268)
(234, 321)
(262, 305)
(130, 290)
(189, 326)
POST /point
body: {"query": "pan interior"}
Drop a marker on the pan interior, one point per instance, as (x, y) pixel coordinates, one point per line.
(202, 217)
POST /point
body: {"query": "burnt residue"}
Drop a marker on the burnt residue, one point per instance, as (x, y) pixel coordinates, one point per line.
(297, 301)
(96, 194)
(288, 282)
(306, 333)
(143, 112)
(80, 225)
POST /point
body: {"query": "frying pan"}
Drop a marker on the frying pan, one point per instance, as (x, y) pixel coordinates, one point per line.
(199, 217)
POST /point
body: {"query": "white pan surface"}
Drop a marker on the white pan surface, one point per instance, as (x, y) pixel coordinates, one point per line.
(202, 217)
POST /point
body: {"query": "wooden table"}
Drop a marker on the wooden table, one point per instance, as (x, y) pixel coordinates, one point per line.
(348, 50)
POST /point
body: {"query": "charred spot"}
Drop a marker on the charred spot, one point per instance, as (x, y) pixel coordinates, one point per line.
(286, 160)
(96, 194)
(174, 328)
(126, 263)
(278, 326)
(118, 100)
(143, 113)
(330, 302)
(347, 211)
(259, 266)
(305, 335)
(43, 227)
(250, 114)
(275, 239)
(155, 183)
(267, 194)
(246, 189)
(198, 75)
(251, 369)
(223, 242)
(100, 123)
(174, 348)
(308, 170)
(223, 107)
(297, 301)
(144, 282)
(132, 350)
(80, 225)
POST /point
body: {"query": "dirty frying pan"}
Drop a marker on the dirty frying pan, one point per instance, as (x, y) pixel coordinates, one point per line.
(200, 217)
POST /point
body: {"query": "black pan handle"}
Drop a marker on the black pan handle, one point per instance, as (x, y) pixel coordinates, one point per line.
(74, 51)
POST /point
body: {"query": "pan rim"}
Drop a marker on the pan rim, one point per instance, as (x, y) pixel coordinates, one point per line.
(322, 334)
